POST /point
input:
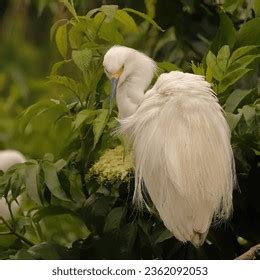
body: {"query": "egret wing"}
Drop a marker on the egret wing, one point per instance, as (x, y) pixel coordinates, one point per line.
(183, 156)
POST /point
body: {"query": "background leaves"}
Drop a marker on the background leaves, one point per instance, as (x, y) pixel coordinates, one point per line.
(62, 123)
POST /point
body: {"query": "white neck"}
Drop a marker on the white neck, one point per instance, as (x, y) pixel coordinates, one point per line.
(138, 73)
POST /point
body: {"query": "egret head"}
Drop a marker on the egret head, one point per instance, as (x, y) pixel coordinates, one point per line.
(122, 64)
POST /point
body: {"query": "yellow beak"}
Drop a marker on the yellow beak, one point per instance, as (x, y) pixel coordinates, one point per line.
(116, 75)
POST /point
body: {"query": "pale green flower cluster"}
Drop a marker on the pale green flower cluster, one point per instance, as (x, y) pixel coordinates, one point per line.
(113, 166)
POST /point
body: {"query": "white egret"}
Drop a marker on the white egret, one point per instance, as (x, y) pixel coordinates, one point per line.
(8, 158)
(180, 140)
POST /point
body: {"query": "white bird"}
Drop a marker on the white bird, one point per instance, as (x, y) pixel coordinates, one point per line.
(180, 140)
(8, 158)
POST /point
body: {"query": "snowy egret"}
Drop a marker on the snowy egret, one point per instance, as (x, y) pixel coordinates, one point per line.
(8, 158)
(180, 140)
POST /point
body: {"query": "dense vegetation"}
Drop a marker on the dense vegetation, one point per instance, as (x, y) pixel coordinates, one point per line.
(77, 185)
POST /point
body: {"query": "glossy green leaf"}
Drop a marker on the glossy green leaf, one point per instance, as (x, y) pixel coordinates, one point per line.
(65, 81)
(55, 27)
(110, 11)
(124, 18)
(249, 33)
(44, 251)
(99, 124)
(52, 210)
(167, 66)
(233, 119)
(242, 51)
(150, 7)
(62, 40)
(222, 57)
(256, 7)
(231, 78)
(198, 69)
(114, 220)
(56, 66)
(84, 116)
(52, 181)
(41, 6)
(69, 6)
(166, 234)
(226, 34)
(235, 99)
(249, 114)
(32, 182)
(243, 62)
(144, 16)
(82, 58)
(211, 61)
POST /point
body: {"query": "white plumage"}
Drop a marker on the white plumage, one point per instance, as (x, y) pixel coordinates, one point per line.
(181, 143)
(8, 158)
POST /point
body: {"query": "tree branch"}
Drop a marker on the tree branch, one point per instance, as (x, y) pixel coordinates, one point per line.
(250, 254)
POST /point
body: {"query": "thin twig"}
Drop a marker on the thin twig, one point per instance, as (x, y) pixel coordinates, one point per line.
(12, 230)
(251, 254)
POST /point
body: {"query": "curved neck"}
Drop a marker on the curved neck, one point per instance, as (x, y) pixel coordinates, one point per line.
(128, 98)
(133, 84)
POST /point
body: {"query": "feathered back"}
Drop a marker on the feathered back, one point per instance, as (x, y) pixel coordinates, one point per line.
(182, 150)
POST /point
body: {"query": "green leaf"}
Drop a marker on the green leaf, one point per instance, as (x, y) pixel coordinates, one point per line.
(108, 32)
(145, 17)
(256, 7)
(233, 119)
(249, 33)
(167, 66)
(32, 182)
(243, 62)
(52, 210)
(84, 116)
(226, 34)
(249, 114)
(82, 58)
(44, 251)
(150, 7)
(235, 98)
(166, 234)
(198, 69)
(55, 68)
(52, 181)
(62, 40)
(17, 181)
(70, 7)
(99, 124)
(231, 78)
(211, 61)
(33, 111)
(222, 57)
(110, 11)
(114, 220)
(241, 52)
(65, 81)
(56, 25)
(41, 6)
(82, 32)
(124, 18)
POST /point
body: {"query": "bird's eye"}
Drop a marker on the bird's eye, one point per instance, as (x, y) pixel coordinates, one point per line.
(106, 71)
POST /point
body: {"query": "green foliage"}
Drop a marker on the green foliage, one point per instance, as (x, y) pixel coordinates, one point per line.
(77, 198)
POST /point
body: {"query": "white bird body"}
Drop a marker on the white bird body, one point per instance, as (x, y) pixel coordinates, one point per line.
(8, 158)
(181, 143)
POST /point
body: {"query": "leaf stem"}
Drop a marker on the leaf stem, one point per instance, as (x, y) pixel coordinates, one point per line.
(13, 231)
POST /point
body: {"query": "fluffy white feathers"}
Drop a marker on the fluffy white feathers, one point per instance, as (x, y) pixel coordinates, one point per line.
(181, 144)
